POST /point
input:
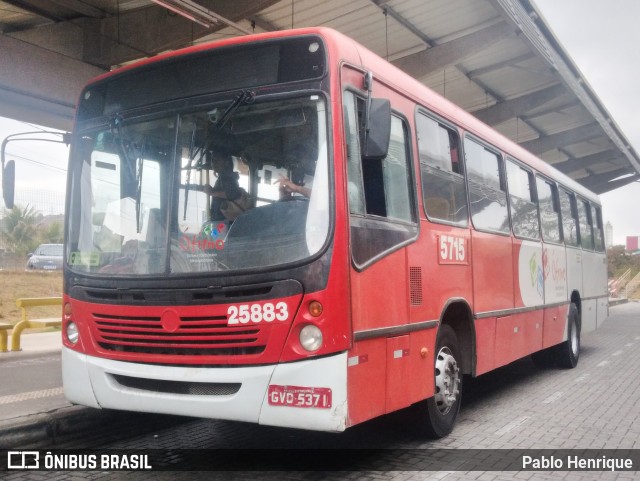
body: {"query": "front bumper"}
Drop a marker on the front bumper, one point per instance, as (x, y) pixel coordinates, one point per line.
(93, 381)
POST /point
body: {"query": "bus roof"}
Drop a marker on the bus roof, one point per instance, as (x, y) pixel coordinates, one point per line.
(342, 48)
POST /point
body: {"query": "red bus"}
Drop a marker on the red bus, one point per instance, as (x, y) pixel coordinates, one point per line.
(379, 242)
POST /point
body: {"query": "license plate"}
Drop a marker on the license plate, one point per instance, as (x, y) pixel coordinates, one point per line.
(300, 397)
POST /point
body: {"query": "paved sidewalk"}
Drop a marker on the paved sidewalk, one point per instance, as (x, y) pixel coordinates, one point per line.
(42, 341)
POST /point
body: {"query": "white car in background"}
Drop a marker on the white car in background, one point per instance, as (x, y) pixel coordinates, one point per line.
(46, 257)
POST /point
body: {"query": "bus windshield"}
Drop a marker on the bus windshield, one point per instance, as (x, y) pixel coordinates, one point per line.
(236, 186)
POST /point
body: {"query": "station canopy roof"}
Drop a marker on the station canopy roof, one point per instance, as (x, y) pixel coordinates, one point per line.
(495, 58)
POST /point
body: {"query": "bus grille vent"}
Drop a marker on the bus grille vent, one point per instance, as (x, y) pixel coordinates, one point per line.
(179, 387)
(415, 285)
(195, 336)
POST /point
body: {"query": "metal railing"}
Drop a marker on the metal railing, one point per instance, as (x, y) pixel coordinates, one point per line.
(617, 286)
(631, 286)
(25, 323)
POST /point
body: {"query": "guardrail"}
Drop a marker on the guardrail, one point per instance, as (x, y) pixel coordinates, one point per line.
(23, 304)
(3, 336)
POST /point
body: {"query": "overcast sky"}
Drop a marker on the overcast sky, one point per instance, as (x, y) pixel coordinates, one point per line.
(602, 38)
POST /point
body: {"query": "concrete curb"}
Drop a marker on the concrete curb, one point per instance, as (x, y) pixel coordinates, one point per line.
(47, 428)
(73, 423)
(615, 302)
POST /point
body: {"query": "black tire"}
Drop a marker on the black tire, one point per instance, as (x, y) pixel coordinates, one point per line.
(568, 353)
(441, 410)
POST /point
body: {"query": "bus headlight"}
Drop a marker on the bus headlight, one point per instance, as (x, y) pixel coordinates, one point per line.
(311, 337)
(72, 333)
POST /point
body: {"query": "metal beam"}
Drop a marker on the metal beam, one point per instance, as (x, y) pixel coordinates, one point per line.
(113, 40)
(576, 163)
(81, 7)
(604, 182)
(264, 24)
(382, 4)
(553, 109)
(40, 86)
(561, 139)
(199, 13)
(446, 54)
(591, 177)
(519, 106)
(500, 65)
(36, 9)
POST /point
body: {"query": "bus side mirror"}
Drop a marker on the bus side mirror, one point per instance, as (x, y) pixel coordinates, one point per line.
(9, 183)
(377, 129)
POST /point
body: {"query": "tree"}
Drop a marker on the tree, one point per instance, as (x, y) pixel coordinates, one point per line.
(620, 260)
(51, 233)
(19, 230)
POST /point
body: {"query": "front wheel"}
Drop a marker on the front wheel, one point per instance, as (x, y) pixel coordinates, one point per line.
(442, 409)
(568, 352)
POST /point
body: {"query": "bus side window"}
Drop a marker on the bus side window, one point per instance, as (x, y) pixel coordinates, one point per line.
(549, 215)
(586, 231)
(443, 187)
(522, 201)
(487, 194)
(384, 185)
(596, 217)
(569, 218)
(380, 192)
(355, 188)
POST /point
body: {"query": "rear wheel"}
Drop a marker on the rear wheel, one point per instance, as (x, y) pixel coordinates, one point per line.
(442, 409)
(568, 352)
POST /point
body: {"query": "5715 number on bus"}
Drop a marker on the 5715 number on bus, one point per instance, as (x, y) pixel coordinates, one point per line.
(452, 250)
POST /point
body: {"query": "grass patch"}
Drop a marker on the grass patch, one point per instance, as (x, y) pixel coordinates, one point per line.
(16, 284)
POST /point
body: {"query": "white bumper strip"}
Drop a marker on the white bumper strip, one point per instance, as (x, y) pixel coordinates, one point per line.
(89, 381)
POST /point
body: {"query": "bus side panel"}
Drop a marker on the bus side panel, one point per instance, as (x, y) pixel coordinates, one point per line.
(379, 300)
(574, 275)
(555, 274)
(555, 292)
(594, 271)
(492, 272)
(528, 273)
(366, 375)
(517, 336)
(379, 294)
(603, 309)
(485, 344)
(443, 273)
(555, 321)
(399, 380)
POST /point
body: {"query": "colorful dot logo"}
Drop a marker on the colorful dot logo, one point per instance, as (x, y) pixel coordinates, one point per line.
(213, 231)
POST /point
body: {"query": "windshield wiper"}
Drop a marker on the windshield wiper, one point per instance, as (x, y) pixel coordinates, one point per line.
(244, 97)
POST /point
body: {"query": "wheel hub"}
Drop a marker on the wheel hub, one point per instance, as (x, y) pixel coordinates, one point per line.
(447, 380)
(575, 340)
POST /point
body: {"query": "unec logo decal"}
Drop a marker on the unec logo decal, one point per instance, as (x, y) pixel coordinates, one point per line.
(536, 274)
(211, 237)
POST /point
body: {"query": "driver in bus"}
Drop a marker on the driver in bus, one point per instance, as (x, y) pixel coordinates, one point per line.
(298, 184)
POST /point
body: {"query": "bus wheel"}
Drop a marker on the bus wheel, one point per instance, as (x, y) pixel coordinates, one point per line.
(442, 409)
(568, 352)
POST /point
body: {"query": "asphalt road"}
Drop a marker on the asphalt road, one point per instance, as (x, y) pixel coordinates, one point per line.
(595, 406)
